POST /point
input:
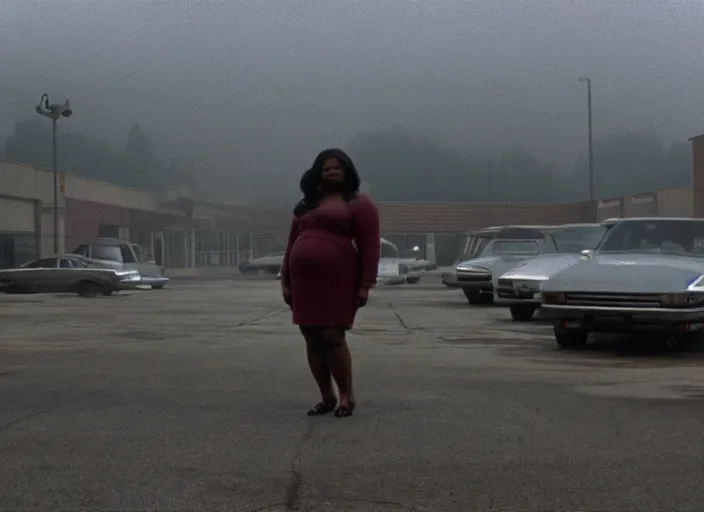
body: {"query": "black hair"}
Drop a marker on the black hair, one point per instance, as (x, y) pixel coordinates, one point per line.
(310, 180)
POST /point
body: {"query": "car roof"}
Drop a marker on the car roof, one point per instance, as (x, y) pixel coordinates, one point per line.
(66, 255)
(107, 241)
(618, 220)
(577, 225)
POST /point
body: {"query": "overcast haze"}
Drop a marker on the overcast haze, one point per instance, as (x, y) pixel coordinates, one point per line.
(258, 87)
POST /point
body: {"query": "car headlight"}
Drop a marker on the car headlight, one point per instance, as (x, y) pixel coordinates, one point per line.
(473, 270)
(681, 300)
(554, 298)
(697, 285)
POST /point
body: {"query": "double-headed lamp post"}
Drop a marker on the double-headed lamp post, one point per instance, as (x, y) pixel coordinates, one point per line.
(591, 140)
(54, 111)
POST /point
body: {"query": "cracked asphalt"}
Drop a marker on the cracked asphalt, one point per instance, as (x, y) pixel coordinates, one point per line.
(194, 398)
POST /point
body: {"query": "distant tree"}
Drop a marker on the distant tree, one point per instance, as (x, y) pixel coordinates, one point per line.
(521, 176)
(135, 166)
(140, 166)
(399, 167)
(629, 163)
(677, 171)
(31, 143)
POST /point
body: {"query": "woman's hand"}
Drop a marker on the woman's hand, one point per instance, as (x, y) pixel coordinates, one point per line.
(362, 297)
(286, 294)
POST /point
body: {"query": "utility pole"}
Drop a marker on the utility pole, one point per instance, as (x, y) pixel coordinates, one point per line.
(591, 138)
(54, 111)
(491, 181)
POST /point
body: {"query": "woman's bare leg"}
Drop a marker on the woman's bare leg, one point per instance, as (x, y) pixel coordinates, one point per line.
(339, 361)
(318, 364)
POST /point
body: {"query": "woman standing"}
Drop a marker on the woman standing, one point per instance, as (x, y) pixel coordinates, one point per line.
(325, 278)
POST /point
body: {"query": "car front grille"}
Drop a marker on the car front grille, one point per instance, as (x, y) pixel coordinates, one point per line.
(605, 299)
(468, 276)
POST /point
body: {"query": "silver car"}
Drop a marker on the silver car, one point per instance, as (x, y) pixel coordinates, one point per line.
(271, 264)
(646, 275)
(392, 269)
(478, 277)
(127, 256)
(521, 287)
(65, 274)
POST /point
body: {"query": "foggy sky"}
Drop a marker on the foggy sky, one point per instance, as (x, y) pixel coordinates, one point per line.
(257, 87)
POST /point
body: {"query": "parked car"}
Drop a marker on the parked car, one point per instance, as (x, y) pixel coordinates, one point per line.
(271, 264)
(646, 275)
(520, 287)
(129, 255)
(415, 263)
(494, 251)
(472, 244)
(392, 269)
(66, 274)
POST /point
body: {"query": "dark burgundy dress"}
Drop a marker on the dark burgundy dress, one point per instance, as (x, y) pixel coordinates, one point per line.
(323, 268)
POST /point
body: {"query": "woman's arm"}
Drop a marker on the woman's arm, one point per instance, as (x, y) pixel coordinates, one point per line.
(292, 235)
(367, 238)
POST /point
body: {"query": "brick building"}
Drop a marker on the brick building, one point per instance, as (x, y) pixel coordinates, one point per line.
(179, 232)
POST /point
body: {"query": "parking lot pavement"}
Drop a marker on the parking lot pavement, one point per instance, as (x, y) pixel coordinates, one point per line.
(194, 398)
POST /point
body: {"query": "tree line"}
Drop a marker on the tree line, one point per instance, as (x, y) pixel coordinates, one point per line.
(397, 165)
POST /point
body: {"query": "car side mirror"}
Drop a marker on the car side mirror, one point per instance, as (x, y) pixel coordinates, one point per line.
(587, 253)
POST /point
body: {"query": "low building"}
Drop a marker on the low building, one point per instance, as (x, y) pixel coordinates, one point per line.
(181, 233)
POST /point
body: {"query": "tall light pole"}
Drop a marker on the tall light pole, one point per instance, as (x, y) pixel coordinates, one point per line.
(54, 111)
(591, 140)
(491, 180)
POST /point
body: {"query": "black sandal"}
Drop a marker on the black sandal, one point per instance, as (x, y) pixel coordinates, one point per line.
(345, 411)
(322, 408)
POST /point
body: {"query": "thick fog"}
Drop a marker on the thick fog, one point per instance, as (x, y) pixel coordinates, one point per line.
(252, 89)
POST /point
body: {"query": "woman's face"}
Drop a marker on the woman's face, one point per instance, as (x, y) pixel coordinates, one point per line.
(332, 171)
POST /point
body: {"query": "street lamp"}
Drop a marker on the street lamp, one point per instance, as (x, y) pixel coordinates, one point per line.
(591, 140)
(54, 111)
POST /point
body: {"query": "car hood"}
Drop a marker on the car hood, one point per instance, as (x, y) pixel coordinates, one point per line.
(628, 273)
(492, 262)
(497, 265)
(267, 259)
(542, 267)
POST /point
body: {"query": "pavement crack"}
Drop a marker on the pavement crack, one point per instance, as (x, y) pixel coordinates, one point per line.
(255, 319)
(295, 483)
(53, 408)
(400, 319)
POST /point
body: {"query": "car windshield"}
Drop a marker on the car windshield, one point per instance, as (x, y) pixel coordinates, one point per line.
(576, 239)
(388, 250)
(473, 246)
(106, 252)
(661, 236)
(513, 247)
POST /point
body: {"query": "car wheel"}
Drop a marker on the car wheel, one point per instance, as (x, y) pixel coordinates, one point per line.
(158, 287)
(522, 313)
(89, 289)
(570, 338)
(473, 298)
(478, 299)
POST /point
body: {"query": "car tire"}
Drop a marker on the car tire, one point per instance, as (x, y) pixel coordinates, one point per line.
(158, 286)
(522, 313)
(478, 299)
(570, 338)
(89, 289)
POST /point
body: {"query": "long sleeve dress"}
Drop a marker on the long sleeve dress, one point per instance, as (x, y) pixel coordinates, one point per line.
(324, 269)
